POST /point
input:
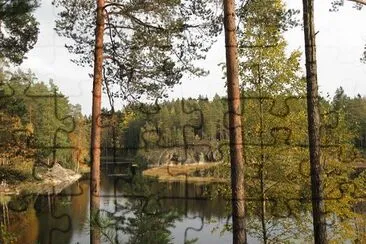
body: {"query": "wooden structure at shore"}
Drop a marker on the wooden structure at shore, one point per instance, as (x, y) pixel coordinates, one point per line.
(119, 167)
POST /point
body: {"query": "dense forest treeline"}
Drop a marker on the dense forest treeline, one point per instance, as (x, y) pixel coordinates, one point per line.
(62, 128)
(39, 126)
(175, 123)
(186, 122)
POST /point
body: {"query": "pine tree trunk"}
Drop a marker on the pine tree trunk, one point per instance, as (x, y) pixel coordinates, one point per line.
(96, 113)
(318, 205)
(235, 128)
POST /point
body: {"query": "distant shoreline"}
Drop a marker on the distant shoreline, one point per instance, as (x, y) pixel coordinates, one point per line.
(182, 173)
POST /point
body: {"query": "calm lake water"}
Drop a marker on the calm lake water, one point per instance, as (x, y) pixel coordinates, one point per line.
(138, 211)
(160, 208)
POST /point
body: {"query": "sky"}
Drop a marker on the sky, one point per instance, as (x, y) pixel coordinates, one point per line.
(340, 43)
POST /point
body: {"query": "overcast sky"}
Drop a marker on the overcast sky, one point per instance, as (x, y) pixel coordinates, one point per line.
(340, 43)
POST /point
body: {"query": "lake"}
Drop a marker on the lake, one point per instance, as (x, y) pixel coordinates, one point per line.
(138, 211)
(65, 218)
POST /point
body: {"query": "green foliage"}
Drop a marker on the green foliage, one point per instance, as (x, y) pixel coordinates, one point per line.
(354, 114)
(275, 133)
(40, 122)
(264, 65)
(274, 123)
(148, 45)
(19, 29)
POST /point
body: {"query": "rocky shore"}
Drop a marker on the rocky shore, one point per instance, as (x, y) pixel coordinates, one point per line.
(49, 181)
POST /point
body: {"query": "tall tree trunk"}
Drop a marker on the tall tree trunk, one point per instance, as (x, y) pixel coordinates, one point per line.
(235, 128)
(262, 160)
(318, 205)
(96, 117)
(262, 172)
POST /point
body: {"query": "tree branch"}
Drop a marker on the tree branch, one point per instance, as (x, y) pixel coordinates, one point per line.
(144, 24)
(3, 4)
(363, 2)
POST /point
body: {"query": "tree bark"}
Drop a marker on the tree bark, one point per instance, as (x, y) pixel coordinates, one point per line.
(96, 116)
(235, 128)
(319, 220)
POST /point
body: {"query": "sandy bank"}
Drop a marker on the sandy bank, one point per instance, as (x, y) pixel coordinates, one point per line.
(179, 173)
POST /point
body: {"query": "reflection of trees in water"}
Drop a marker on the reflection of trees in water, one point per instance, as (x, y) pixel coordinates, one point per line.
(192, 199)
(145, 210)
(149, 210)
(58, 214)
(19, 226)
(5, 235)
(151, 213)
(52, 214)
(139, 217)
(47, 218)
(149, 223)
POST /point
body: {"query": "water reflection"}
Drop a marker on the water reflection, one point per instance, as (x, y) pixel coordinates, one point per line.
(149, 211)
(60, 216)
(139, 210)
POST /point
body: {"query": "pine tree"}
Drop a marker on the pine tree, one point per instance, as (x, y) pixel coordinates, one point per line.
(148, 45)
(18, 29)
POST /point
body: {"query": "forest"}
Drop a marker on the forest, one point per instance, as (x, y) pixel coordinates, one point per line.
(284, 154)
(276, 152)
(41, 127)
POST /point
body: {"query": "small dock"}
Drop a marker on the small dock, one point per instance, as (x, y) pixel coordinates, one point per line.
(119, 167)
